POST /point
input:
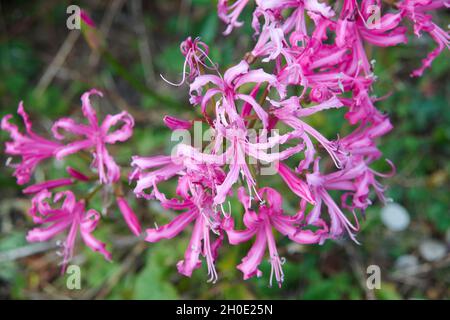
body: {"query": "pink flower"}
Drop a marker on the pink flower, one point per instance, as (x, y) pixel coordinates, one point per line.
(195, 53)
(230, 13)
(238, 151)
(290, 112)
(146, 180)
(198, 209)
(270, 41)
(72, 216)
(227, 87)
(96, 137)
(31, 147)
(357, 24)
(354, 181)
(415, 10)
(259, 225)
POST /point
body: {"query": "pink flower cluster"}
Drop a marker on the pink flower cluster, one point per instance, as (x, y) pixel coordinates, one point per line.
(90, 138)
(317, 59)
(319, 62)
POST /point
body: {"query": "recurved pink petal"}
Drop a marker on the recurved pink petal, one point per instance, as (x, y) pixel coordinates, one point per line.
(232, 73)
(72, 148)
(297, 186)
(45, 234)
(50, 184)
(191, 257)
(171, 229)
(87, 109)
(250, 263)
(176, 123)
(121, 134)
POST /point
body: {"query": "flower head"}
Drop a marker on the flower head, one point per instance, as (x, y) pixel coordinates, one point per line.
(31, 147)
(71, 216)
(95, 137)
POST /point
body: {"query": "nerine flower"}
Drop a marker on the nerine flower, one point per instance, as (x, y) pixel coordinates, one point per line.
(95, 137)
(291, 113)
(416, 11)
(325, 63)
(227, 89)
(31, 147)
(238, 154)
(230, 13)
(197, 204)
(71, 216)
(260, 225)
(196, 54)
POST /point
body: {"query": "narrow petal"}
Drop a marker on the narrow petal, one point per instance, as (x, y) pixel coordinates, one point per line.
(171, 229)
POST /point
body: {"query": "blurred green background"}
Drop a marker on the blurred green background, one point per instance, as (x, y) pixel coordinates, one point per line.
(48, 66)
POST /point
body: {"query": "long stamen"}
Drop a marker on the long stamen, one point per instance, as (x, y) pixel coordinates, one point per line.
(275, 261)
(209, 257)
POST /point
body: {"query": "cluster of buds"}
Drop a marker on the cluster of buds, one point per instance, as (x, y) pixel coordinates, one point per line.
(318, 63)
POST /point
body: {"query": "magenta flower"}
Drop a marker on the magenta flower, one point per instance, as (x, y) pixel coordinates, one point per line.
(31, 147)
(227, 87)
(314, 60)
(146, 180)
(196, 54)
(290, 112)
(71, 216)
(354, 181)
(356, 24)
(415, 10)
(230, 13)
(238, 151)
(198, 206)
(96, 137)
(259, 225)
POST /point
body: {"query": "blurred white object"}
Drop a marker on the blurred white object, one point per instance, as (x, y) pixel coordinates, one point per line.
(407, 264)
(432, 250)
(395, 217)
